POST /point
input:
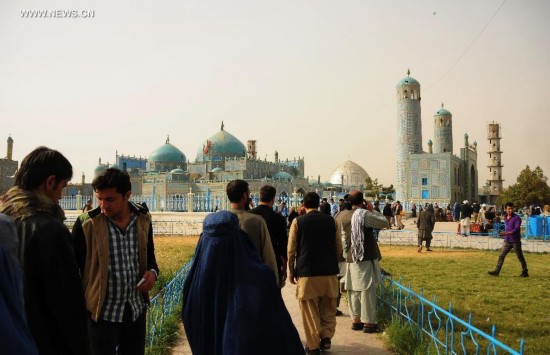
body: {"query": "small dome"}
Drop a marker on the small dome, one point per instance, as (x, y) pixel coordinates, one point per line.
(216, 170)
(167, 153)
(220, 146)
(99, 169)
(281, 175)
(113, 166)
(351, 173)
(408, 81)
(443, 112)
(177, 171)
(10, 140)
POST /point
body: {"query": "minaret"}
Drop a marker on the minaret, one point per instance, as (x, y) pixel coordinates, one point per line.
(9, 154)
(495, 159)
(251, 149)
(443, 131)
(409, 129)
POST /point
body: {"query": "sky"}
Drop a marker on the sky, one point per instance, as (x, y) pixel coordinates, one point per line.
(313, 79)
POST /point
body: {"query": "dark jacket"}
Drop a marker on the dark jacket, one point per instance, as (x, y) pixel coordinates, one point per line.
(387, 212)
(91, 245)
(466, 211)
(316, 245)
(53, 296)
(276, 226)
(426, 220)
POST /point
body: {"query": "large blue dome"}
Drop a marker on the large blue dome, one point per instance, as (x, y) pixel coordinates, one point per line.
(221, 145)
(167, 153)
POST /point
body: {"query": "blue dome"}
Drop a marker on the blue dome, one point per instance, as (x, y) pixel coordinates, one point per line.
(221, 145)
(282, 176)
(177, 171)
(443, 112)
(408, 81)
(167, 153)
(99, 169)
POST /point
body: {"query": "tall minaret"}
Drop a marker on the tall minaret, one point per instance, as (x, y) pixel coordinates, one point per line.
(443, 131)
(9, 154)
(495, 159)
(409, 129)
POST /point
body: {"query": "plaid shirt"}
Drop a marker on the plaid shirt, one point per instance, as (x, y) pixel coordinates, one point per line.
(123, 273)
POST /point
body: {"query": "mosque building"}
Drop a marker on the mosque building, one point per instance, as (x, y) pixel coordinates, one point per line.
(437, 175)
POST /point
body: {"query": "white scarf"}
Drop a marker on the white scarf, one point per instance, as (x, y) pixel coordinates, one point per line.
(357, 235)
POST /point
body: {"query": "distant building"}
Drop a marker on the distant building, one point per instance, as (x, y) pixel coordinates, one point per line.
(436, 175)
(8, 167)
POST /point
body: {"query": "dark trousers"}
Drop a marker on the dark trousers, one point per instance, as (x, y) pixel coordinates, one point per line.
(128, 336)
(506, 249)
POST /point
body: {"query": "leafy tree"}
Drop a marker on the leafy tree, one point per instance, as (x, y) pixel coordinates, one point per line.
(531, 187)
(374, 189)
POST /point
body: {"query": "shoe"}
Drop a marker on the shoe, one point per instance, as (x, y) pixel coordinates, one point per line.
(371, 328)
(338, 312)
(429, 249)
(419, 249)
(493, 273)
(524, 273)
(385, 273)
(312, 351)
(357, 326)
(325, 344)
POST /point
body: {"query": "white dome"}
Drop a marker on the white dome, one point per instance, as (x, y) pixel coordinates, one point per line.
(351, 173)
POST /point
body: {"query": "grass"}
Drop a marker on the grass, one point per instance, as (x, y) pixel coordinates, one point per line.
(172, 252)
(517, 306)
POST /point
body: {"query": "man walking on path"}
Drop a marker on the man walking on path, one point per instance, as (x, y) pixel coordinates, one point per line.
(425, 223)
(115, 253)
(512, 240)
(313, 249)
(253, 225)
(276, 226)
(398, 216)
(364, 271)
(54, 301)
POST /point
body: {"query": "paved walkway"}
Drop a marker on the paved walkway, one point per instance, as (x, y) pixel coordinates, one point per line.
(345, 341)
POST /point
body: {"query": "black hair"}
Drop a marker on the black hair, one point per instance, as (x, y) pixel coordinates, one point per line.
(509, 204)
(235, 190)
(356, 198)
(311, 200)
(41, 163)
(113, 177)
(267, 193)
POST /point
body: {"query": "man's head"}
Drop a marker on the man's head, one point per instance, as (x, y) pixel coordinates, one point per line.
(44, 169)
(331, 201)
(238, 192)
(113, 190)
(509, 208)
(356, 198)
(311, 200)
(267, 194)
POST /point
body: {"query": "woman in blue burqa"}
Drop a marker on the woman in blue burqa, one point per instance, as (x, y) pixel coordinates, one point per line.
(231, 303)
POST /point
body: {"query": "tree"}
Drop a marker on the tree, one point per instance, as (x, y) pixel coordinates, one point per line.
(374, 189)
(531, 187)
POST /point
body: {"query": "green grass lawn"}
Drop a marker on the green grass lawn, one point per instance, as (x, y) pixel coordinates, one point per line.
(519, 307)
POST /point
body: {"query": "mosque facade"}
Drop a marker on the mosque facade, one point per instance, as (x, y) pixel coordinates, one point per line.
(437, 175)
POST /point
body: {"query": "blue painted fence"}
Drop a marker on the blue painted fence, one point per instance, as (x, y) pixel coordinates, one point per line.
(447, 333)
(164, 304)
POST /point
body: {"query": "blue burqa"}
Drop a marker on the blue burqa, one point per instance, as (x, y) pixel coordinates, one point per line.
(231, 303)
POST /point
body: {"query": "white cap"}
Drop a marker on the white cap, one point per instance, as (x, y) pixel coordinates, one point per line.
(465, 201)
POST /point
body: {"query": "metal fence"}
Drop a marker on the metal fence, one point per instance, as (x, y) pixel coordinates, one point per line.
(448, 333)
(164, 305)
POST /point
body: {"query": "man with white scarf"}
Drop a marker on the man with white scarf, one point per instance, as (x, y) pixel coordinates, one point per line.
(364, 270)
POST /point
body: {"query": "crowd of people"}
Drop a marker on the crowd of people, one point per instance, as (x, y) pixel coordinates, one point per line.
(86, 291)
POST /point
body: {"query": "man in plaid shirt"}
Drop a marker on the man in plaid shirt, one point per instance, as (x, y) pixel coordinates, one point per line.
(115, 253)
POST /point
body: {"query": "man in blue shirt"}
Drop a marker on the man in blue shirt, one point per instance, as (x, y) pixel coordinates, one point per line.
(512, 240)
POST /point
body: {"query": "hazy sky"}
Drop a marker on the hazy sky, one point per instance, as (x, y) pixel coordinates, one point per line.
(306, 78)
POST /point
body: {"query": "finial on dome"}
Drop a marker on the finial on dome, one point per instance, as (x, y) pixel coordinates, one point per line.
(167, 138)
(222, 125)
(408, 72)
(442, 105)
